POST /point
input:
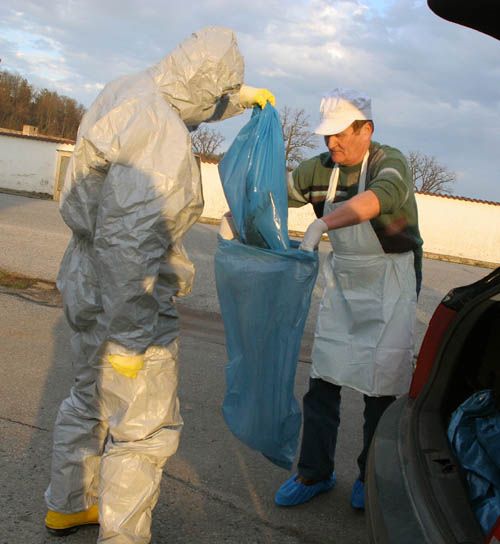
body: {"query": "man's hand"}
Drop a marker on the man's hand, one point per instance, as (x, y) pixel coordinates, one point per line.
(252, 96)
(313, 235)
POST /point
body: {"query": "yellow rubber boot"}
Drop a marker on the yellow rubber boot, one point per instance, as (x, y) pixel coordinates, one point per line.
(65, 524)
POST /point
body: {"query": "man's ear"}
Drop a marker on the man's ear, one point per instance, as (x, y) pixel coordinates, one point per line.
(368, 127)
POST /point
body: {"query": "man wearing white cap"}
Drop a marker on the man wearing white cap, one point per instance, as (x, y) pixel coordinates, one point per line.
(362, 194)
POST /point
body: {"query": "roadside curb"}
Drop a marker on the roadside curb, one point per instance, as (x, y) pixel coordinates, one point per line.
(28, 194)
(36, 290)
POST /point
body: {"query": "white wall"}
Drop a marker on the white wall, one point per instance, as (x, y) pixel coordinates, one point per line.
(216, 204)
(213, 194)
(27, 164)
(460, 228)
(452, 228)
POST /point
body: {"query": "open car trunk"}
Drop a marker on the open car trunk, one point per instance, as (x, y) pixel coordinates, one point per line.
(468, 361)
(416, 490)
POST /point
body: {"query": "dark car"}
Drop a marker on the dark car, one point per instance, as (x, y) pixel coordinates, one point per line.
(416, 490)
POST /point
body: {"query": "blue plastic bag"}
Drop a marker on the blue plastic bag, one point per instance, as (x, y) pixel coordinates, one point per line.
(264, 297)
(253, 178)
(264, 286)
(474, 434)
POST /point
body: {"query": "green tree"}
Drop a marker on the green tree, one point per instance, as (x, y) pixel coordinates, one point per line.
(22, 104)
(16, 96)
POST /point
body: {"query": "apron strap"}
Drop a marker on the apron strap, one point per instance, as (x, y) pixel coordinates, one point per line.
(334, 179)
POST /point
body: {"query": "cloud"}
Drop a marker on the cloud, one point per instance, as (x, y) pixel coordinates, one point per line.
(435, 85)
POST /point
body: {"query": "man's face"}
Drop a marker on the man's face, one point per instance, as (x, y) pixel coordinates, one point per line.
(349, 147)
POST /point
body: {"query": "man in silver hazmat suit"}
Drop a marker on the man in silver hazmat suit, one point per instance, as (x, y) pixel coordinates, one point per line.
(132, 191)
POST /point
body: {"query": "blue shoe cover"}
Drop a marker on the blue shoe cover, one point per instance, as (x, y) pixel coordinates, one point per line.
(358, 495)
(293, 492)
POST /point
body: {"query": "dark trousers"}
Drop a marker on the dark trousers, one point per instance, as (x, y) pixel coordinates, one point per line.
(321, 423)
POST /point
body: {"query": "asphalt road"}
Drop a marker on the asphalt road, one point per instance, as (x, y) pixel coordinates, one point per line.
(33, 238)
(215, 490)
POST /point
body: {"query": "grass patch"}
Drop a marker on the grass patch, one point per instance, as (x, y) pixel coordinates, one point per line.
(15, 281)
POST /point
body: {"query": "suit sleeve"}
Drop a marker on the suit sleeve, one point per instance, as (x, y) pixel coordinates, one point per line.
(145, 206)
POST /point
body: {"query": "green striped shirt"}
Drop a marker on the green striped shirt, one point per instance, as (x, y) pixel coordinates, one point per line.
(388, 176)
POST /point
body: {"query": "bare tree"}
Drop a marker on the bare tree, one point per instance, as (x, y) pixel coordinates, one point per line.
(296, 134)
(428, 175)
(206, 141)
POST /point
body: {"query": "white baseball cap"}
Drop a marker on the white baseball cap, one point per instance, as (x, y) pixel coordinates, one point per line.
(340, 108)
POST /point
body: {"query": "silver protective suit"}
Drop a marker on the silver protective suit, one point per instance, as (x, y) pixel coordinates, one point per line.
(132, 190)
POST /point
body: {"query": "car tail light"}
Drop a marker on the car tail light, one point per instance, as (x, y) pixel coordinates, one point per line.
(439, 324)
(494, 536)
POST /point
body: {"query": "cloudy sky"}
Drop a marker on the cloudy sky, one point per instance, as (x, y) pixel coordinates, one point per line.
(435, 85)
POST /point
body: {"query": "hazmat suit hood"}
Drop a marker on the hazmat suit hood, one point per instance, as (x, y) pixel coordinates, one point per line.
(202, 76)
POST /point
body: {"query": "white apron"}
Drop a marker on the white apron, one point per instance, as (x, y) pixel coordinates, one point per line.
(364, 335)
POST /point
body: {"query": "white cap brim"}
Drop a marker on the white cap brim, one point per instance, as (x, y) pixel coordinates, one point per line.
(327, 127)
(340, 109)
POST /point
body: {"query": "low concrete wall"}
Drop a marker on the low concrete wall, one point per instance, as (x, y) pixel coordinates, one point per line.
(216, 205)
(454, 229)
(30, 164)
(213, 194)
(460, 229)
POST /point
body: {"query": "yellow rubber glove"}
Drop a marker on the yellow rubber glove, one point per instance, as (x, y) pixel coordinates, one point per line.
(251, 96)
(127, 365)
